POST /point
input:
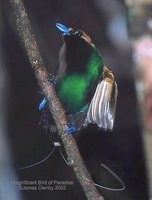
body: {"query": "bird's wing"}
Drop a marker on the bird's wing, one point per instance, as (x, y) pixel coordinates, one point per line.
(102, 107)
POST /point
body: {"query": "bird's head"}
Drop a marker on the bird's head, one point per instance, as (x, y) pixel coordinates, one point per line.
(77, 49)
(72, 34)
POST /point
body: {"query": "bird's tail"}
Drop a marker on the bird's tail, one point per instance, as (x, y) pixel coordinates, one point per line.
(102, 107)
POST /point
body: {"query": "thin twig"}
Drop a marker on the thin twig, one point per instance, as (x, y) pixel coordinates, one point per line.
(58, 113)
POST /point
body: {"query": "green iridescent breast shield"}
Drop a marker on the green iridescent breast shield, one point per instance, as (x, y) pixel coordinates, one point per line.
(76, 89)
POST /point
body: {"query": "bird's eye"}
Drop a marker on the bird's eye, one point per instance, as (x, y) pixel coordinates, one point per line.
(79, 33)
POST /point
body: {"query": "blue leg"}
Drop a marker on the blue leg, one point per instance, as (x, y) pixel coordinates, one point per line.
(42, 104)
(71, 129)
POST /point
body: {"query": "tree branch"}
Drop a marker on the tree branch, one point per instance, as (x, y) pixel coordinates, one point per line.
(58, 113)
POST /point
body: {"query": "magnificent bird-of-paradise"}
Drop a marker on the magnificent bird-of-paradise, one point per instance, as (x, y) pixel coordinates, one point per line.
(85, 86)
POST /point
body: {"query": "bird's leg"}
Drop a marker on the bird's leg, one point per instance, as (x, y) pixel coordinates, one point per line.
(70, 130)
(44, 101)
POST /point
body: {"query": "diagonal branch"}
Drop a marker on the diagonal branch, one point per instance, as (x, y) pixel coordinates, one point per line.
(58, 113)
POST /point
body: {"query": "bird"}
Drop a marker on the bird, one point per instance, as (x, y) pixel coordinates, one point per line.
(86, 88)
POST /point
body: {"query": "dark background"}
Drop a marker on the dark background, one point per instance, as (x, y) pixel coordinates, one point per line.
(121, 150)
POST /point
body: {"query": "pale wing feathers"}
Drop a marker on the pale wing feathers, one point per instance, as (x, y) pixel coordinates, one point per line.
(102, 107)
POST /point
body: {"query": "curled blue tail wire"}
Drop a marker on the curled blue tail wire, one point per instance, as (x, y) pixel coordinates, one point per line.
(66, 161)
(37, 163)
(114, 175)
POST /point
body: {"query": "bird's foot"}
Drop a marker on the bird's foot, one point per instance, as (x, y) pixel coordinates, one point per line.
(70, 130)
(42, 104)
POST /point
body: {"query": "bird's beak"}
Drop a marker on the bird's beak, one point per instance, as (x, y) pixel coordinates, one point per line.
(65, 30)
